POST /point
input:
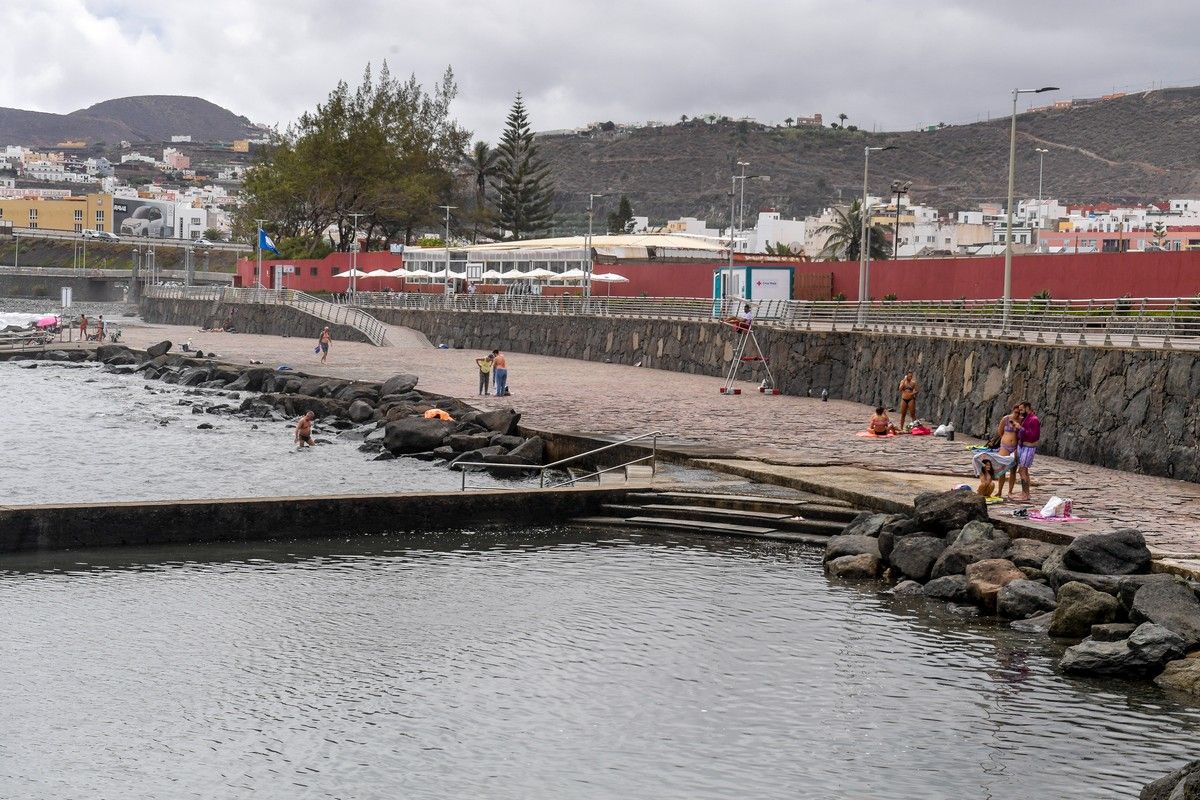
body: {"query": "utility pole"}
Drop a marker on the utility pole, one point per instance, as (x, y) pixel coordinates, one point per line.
(354, 253)
(587, 246)
(446, 242)
(258, 254)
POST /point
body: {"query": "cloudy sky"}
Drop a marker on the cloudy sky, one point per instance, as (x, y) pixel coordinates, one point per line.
(885, 64)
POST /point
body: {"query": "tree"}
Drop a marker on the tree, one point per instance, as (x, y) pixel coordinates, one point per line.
(788, 122)
(525, 193)
(482, 163)
(621, 220)
(781, 249)
(683, 118)
(845, 235)
(1159, 232)
(842, 119)
(214, 234)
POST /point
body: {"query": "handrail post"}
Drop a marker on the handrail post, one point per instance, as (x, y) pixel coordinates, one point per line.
(654, 456)
(464, 479)
(542, 474)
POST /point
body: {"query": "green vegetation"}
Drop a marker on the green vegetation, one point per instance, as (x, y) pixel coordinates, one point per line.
(525, 194)
(621, 220)
(482, 164)
(845, 236)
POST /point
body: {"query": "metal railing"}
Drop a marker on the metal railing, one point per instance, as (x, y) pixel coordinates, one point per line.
(1123, 321)
(117, 274)
(334, 313)
(542, 470)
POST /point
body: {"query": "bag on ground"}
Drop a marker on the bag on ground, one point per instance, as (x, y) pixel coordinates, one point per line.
(1057, 507)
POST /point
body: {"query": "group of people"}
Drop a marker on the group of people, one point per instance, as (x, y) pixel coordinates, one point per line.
(1016, 439)
(95, 336)
(881, 424)
(493, 368)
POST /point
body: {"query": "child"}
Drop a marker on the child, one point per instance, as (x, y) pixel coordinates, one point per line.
(987, 479)
(880, 425)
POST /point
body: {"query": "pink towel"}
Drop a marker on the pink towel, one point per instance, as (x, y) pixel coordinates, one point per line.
(1037, 517)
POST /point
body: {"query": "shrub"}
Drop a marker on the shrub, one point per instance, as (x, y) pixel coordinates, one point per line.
(1044, 294)
(839, 298)
(1123, 304)
(890, 297)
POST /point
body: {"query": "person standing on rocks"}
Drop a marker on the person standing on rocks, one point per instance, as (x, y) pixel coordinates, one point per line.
(1027, 444)
(83, 326)
(908, 398)
(304, 428)
(499, 373)
(323, 343)
(485, 372)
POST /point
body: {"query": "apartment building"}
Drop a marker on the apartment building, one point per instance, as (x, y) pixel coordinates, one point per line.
(68, 214)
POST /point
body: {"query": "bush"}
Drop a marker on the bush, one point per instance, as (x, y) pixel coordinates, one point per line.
(1123, 304)
(890, 297)
(839, 298)
(1044, 294)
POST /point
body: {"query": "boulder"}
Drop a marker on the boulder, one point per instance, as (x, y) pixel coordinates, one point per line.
(908, 589)
(1059, 576)
(856, 567)
(399, 411)
(358, 391)
(851, 545)
(1171, 605)
(1036, 624)
(462, 442)
(866, 524)
(360, 411)
(479, 455)
(948, 587)
(398, 384)
(1022, 599)
(251, 379)
(106, 352)
(980, 531)
(297, 405)
(1112, 631)
(1079, 608)
(1121, 552)
(897, 528)
(504, 462)
(1143, 653)
(506, 441)
(500, 420)
(955, 559)
(1182, 675)
(314, 387)
(193, 377)
(1030, 552)
(1165, 788)
(1128, 585)
(531, 451)
(914, 556)
(948, 511)
(444, 452)
(414, 434)
(160, 349)
(986, 578)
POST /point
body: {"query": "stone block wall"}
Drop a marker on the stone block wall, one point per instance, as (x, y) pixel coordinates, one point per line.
(269, 319)
(1136, 410)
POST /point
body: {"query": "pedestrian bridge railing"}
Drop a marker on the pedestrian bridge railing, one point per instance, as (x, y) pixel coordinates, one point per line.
(650, 458)
(333, 313)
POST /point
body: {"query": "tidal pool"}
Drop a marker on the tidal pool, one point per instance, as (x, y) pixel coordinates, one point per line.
(536, 663)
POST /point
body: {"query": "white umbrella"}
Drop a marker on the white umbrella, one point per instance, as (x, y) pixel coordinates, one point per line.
(419, 273)
(491, 275)
(351, 273)
(458, 276)
(399, 273)
(540, 274)
(513, 275)
(575, 274)
(609, 278)
(378, 273)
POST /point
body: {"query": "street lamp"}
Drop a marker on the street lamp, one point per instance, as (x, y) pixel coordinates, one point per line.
(1041, 151)
(733, 203)
(587, 246)
(446, 241)
(864, 238)
(742, 198)
(353, 287)
(1008, 236)
(898, 189)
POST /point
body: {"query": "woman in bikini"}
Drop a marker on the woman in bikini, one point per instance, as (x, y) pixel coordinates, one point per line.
(1010, 432)
(908, 397)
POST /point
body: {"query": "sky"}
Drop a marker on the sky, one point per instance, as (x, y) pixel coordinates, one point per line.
(887, 65)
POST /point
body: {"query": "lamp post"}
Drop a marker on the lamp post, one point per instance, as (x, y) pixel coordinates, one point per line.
(864, 238)
(446, 241)
(1012, 163)
(587, 247)
(1041, 151)
(742, 197)
(258, 254)
(353, 287)
(898, 189)
(733, 196)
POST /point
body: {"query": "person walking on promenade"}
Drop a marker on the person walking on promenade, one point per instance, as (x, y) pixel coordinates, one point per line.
(1010, 434)
(323, 343)
(83, 326)
(1027, 444)
(485, 372)
(908, 397)
(304, 428)
(499, 373)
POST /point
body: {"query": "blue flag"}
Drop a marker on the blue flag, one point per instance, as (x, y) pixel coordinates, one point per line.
(265, 243)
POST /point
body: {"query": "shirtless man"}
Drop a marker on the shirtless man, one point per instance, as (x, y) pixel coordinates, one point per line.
(323, 343)
(83, 326)
(908, 397)
(304, 430)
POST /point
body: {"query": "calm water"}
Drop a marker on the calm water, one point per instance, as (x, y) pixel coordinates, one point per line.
(535, 664)
(79, 435)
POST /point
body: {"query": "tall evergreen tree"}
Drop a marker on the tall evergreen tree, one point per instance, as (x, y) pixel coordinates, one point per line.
(621, 220)
(524, 191)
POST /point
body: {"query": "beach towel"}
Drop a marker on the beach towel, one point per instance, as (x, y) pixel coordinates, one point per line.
(1000, 464)
(869, 435)
(1037, 517)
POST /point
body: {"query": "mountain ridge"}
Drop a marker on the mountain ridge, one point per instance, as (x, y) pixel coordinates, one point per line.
(137, 118)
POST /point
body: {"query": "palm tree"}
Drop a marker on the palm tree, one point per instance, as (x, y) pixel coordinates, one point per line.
(788, 122)
(845, 233)
(843, 119)
(482, 162)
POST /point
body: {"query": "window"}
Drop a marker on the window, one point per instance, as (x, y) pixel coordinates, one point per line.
(78, 226)
(100, 216)
(312, 271)
(32, 225)
(78, 216)
(99, 226)
(33, 215)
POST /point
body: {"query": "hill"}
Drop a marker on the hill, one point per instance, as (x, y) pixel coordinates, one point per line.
(147, 118)
(1134, 148)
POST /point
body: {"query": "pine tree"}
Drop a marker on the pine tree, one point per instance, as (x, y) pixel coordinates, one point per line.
(621, 220)
(524, 191)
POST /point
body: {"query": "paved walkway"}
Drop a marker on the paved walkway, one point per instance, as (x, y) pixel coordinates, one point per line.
(563, 394)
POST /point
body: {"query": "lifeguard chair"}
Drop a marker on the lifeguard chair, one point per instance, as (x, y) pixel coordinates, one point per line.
(743, 327)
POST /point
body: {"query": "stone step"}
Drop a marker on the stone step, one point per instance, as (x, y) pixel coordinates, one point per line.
(692, 526)
(741, 502)
(639, 472)
(716, 514)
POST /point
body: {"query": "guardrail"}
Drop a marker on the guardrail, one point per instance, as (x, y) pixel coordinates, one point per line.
(1125, 321)
(652, 457)
(116, 274)
(127, 239)
(334, 313)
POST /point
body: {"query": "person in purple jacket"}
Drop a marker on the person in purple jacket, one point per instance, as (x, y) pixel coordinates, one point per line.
(1027, 443)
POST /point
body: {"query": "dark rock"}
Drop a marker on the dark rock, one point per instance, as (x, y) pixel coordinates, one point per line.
(211, 385)
(1022, 599)
(955, 559)
(1165, 787)
(866, 524)
(897, 528)
(156, 350)
(863, 566)
(398, 384)
(476, 456)
(1182, 676)
(1059, 576)
(414, 434)
(204, 426)
(504, 463)
(462, 442)
(500, 420)
(384, 456)
(251, 379)
(193, 377)
(398, 411)
(370, 447)
(851, 545)
(106, 352)
(1171, 605)
(531, 451)
(947, 511)
(322, 407)
(1034, 575)
(1038, 624)
(1112, 631)
(506, 441)
(948, 587)
(314, 387)
(360, 411)
(914, 556)
(908, 589)
(1146, 650)
(1128, 585)
(1121, 552)
(979, 531)
(1079, 608)
(446, 453)
(1030, 552)
(986, 578)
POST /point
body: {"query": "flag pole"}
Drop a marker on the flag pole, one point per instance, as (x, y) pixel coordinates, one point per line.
(258, 252)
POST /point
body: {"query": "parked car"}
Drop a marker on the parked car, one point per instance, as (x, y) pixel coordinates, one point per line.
(104, 236)
(204, 242)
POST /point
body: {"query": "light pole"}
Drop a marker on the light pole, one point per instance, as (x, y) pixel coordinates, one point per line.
(898, 189)
(1008, 237)
(742, 198)
(258, 254)
(446, 241)
(733, 196)
(587, 247)
(864, 238)
(353, 253)
(1041, 151)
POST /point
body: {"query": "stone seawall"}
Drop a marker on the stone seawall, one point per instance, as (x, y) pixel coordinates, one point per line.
(278, 320)
(1136, 410)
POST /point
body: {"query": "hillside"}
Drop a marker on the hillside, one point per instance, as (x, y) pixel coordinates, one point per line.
(148, 118)
(1135, 148)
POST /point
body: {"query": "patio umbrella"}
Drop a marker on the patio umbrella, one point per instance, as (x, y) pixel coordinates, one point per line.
(48, 321)
(609, 278)
(575, 274)
(491, 275)
(513, 275)
(351, 273)
(540, 274)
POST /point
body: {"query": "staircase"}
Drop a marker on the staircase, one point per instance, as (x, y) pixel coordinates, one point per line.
(807, 521)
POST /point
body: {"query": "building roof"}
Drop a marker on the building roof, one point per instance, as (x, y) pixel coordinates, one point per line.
(623, 240)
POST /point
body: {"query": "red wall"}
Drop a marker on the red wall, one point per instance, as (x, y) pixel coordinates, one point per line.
(323, 281)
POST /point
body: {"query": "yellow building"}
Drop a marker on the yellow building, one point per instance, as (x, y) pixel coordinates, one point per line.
(240, 146)
(91, 212)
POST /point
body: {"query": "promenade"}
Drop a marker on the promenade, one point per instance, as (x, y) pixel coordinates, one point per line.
(787, 436)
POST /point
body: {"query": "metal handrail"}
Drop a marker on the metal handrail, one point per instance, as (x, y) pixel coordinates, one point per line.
(652, 458)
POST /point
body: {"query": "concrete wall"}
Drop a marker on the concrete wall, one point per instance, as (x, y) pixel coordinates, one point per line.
(83, 289)
(271, 319)
(1135, 410)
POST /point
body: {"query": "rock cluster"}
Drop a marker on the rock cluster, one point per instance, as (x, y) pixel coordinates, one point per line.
(388, 418)
(1097, 591)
